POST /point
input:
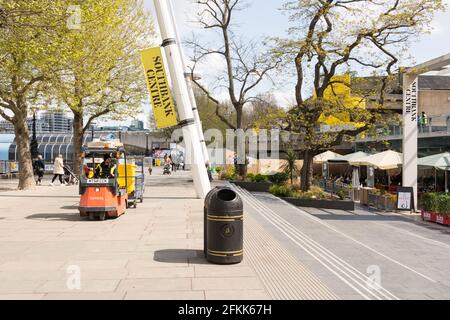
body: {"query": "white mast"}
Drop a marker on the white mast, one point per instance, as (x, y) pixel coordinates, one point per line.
(189, 86)
(181, 93)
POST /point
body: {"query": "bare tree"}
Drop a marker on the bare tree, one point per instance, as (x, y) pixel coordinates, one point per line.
(245, 63)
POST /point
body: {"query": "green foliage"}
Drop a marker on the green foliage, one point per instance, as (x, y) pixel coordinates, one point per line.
(261, 178)
(443, 203)
(430, 201)
(292, 192)
(100, 71)
(218, 169)
(250, 177)
(341, 194)
(230, 174)
(290, 167)
(380, 192)
(281, 191)
(437, 202)
(256, 177)
(279, 178)
(30, 43)
(313, 193)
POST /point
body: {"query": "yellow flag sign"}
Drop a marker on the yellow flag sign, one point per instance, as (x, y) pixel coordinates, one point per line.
(158, 86)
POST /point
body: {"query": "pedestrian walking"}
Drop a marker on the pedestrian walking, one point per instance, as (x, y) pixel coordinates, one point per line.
(181, 162)
(58, 170)
(209, 171)
(39, 169)
(174, 166)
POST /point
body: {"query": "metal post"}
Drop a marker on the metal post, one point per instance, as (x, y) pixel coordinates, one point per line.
(189, 81)
(446, 180)
(34, 144)
(187, 120)
(147, 150)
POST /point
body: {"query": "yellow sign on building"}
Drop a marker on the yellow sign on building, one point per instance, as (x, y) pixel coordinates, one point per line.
(158, 86)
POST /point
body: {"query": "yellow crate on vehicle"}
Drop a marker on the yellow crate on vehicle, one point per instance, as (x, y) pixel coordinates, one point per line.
(131, 173)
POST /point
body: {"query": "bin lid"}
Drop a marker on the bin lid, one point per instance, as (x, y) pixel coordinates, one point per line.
(225, 201)
(211, 193)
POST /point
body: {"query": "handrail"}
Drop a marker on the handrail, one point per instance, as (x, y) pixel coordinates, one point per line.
(438, 125)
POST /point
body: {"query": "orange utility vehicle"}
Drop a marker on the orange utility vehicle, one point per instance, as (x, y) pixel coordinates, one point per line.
(102, 193)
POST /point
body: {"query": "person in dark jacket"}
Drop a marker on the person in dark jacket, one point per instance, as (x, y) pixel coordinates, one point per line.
(39, 169)
(106, 169)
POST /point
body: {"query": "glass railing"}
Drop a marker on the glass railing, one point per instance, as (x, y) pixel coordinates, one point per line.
(437, 125)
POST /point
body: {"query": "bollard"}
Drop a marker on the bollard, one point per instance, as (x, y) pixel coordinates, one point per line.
(224, 227)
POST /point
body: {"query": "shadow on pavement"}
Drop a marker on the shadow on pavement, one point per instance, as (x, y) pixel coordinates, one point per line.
(55, 217)
(40, 196)
(170, 198)
(354, 217)
(75, 207)
(179, 256)
(375, 216)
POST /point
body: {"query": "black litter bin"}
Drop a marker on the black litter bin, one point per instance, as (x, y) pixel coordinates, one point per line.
(205, 215)
(224, 227)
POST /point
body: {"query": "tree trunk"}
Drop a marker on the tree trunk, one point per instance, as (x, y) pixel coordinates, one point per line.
(239, 116)
(78, 136)
(26, 175)
(241, 168)
(307, 172)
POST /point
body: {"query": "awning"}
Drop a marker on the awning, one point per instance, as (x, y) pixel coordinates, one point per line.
(326, 156)
(438, 161)
(350, 157)
(384, 161)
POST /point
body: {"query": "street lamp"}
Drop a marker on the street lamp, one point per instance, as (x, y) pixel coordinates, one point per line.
(93, 130)
(147, 150)
(34, 144)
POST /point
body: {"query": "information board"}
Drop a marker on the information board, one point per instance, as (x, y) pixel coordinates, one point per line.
(405, 199)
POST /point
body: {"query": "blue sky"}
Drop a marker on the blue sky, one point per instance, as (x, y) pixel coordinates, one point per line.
(264, 19)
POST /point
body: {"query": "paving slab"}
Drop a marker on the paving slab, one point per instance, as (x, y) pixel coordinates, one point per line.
(152, 252)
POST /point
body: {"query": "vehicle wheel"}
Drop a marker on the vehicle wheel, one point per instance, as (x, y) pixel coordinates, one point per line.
(102, 216)
(141, 199)
(91, 216)
(135, 204)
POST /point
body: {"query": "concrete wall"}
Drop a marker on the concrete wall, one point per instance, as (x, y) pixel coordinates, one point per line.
(434, 102)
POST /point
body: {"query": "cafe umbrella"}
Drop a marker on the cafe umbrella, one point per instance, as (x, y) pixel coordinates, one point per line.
(386, 160)
(438, 162)
(346, 160)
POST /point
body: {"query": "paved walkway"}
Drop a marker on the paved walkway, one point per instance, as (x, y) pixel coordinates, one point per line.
(361, 254)
(156, 250)
(152, 252)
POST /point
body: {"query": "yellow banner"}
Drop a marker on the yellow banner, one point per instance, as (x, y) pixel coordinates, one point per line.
(158, 86)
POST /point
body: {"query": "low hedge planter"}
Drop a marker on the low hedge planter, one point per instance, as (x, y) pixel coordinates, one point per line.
(436, 218)
(322, 204)
(253, 186)
(383, 203)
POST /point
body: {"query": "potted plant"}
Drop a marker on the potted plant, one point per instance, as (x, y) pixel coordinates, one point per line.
(254, 182)
(314, 198)
(382, 200)
(436, 208)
